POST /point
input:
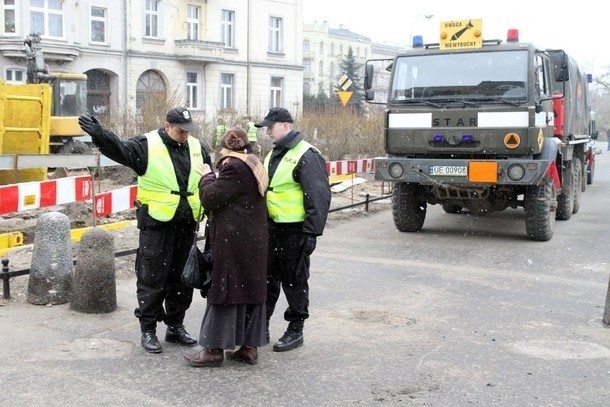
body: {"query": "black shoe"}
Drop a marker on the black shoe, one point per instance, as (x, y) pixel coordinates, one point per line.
(150, 343)
(177, 334)
(290, 340)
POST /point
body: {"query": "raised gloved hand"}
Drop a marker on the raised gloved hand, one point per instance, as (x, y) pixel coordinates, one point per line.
(90, 125)
(308, 242)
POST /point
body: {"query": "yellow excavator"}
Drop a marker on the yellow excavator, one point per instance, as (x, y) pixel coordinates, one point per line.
(41, 116)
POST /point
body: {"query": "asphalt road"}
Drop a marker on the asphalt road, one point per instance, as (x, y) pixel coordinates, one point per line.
(467, 312)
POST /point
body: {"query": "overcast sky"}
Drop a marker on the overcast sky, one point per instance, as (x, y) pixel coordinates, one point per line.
(581, 31)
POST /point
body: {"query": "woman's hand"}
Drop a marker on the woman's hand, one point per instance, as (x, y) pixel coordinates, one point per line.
(202, 169)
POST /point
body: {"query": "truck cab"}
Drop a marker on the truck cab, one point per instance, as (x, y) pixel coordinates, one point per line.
(470, 124)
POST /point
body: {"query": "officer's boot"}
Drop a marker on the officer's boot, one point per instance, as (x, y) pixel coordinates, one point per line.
(293, 337)
(177, 334)
(149, 341)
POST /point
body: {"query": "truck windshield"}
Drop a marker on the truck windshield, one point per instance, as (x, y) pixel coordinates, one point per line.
(493, 77)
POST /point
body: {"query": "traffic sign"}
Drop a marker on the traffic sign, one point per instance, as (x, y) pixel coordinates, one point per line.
(461, 34)
(345, 82)
(345, 96)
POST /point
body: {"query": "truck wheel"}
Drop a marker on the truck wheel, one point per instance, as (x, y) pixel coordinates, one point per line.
(540, 204)
(565, 200)
(408, 207)
(450, 208)
(578, 181)
(74, 147)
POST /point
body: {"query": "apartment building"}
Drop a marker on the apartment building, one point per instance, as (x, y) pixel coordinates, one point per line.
(323, 50)
(217, 57)
(325, 47)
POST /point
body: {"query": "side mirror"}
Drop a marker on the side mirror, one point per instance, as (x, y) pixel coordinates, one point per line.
(369, 71)
(594, 134)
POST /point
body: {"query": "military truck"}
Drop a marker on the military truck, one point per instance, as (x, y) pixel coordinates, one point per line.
(481, 126)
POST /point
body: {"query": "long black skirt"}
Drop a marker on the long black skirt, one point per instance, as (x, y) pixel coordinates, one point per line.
(230, 326)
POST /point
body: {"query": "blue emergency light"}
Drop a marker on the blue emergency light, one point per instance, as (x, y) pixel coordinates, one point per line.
(418, 41)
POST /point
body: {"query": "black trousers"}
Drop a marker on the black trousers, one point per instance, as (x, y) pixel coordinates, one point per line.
(159, 263)
(284, 273)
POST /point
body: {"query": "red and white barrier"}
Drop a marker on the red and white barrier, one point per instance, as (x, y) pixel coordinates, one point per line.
(34, 195)
(118, 200)
(350, 166)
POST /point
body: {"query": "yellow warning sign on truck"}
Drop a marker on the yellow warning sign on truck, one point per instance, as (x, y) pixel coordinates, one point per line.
(461, 34)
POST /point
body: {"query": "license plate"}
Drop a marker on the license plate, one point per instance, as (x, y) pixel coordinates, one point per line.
(449, 170)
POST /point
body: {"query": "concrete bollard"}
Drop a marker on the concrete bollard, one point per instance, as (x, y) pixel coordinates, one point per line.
(51, 270)
(94, 275)
(606, 318)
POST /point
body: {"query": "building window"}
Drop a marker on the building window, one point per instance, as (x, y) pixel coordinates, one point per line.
(228, 28)
(341, 49)
(276, 91)
(98, 24)
(306, 46)
(275, 35)
(321, 68)
(192, 90)
(47, 17)
(192, 23)
(9, 16)
(306, 88)
(307, 66)
(14, 75)
(332, 49)
(151, 18)
(226, 91)
(321, 48)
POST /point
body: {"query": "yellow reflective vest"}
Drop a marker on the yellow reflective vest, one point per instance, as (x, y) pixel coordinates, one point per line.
(285, 196)
(155, 187)
(252, 132)
(221, 129)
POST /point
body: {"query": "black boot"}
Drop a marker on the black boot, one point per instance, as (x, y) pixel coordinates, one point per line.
(177, 334)
(149, 341)
(293, 337)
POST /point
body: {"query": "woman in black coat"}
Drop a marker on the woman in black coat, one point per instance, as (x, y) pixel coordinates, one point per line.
(234, 201)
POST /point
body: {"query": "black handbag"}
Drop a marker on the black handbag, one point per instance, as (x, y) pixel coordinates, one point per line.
(197, 272)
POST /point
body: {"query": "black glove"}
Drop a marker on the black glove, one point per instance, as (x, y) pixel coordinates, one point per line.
(90, 125)
(308, 242)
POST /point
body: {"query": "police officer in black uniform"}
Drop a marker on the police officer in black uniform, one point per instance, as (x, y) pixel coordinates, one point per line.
(298, 200)
(167, 208)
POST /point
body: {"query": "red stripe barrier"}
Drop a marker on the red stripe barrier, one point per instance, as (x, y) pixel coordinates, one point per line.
(33, 195)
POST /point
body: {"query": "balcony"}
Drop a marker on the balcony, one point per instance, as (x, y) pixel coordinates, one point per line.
(54, 51)
(197, 50)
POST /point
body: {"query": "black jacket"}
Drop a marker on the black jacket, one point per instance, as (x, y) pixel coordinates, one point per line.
(310, 172)
(133, 153)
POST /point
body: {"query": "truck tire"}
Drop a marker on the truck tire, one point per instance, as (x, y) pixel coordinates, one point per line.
(578, 182)
(408, 207)
(74, 147)
(451, 208)
(565, 200)
(540, 204)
